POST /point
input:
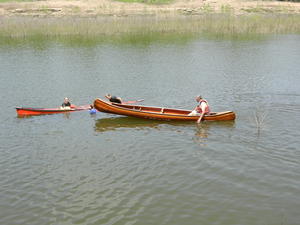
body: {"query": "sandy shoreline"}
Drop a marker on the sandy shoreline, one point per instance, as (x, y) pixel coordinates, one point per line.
(87, 8)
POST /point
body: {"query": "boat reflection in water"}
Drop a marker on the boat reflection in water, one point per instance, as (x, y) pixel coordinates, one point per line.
(115, 123)
(206, 129)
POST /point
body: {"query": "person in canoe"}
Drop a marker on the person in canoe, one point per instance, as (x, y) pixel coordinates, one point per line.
(201, 109)
(66, 104)
(114, 99)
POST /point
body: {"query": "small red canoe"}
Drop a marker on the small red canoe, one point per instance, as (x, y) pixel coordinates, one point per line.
(42, 111)
(157, 113)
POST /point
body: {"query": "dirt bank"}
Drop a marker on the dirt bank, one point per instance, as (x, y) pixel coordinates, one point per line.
(59, 8)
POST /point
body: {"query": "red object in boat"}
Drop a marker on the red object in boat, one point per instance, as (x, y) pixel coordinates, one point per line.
(43, 111)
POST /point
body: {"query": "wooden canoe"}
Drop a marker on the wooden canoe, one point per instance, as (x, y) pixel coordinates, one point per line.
(157, 113)
(21, 111)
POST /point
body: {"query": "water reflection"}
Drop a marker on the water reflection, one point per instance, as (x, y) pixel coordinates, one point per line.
(108, 124)
(203, 130)
(67, 115)
(114, 123)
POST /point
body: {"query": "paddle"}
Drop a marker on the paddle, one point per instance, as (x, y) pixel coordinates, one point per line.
(132, 102)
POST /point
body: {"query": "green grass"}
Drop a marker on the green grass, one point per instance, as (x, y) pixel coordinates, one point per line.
(144, 31)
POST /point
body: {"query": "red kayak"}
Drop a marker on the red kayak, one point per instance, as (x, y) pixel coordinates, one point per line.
(42, 111)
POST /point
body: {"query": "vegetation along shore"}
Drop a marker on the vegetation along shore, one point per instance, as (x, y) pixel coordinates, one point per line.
(147, 20)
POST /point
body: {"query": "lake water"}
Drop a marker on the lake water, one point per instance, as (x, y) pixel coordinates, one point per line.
(107, 169)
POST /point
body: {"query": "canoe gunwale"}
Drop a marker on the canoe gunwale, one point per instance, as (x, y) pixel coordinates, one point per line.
(46, 110)
(141, 111)
(141, 106)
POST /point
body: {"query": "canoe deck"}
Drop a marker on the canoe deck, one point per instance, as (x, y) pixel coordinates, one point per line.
(157, 113)
(26, 111)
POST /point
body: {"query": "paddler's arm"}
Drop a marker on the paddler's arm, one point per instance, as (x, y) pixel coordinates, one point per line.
(203, 107)
(196, 108)
(200, 118)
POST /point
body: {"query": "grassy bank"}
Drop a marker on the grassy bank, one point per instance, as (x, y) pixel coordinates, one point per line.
(145, 29)
(148, 1)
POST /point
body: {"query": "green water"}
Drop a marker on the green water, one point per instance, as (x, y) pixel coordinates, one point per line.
(107, 169)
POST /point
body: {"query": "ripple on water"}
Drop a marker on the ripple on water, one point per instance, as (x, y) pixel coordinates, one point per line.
(106, 169)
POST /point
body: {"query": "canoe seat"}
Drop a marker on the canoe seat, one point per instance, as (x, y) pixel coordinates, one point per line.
(137, 108)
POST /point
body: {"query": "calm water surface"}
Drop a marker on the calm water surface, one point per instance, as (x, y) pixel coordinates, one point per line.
(106, 169)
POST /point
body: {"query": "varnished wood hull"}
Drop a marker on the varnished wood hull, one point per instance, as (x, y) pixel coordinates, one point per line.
(157, 113)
